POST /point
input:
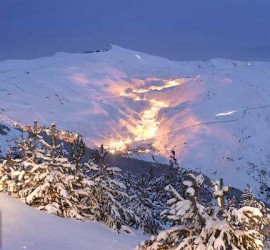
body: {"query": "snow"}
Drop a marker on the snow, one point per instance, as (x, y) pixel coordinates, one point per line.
(190, 191)
(214, 114)
(8, 134)
(199, 179)
(187, 183)
(244, 212)
(182, 207)
(23, 227)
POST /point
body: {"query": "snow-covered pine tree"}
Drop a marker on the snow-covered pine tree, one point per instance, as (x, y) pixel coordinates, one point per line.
(129, 181)
(175, 174)
(228, 227)
(156, 186)
(248, 199)
(173, 161)
(108, 194)
(186, 215)
(9, 168)
(48, 181)
(34, 133)
(145, 204)
(77, 151)
(27, 149)
(52, 149)
(216, 228)
(8, 177)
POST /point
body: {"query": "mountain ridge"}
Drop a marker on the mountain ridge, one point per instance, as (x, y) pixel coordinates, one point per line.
(124, 99)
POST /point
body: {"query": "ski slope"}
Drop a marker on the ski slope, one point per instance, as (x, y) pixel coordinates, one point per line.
(23, 227)
(214, 114)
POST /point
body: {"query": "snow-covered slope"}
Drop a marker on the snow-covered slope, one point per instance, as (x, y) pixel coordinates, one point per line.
(215, 114)
(8, 135)
(23, 227)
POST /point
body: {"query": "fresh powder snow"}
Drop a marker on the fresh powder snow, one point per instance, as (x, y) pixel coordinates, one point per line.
(23, 227)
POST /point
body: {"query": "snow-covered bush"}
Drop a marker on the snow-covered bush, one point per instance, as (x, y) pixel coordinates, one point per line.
(212, 228)
(227, 230)
(45, 179)
(186, 215)
(106, 200)
(77, 151)
(248, 199)
(145, 204)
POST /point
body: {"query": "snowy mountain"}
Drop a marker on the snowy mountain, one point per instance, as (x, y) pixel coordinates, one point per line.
(214, 114)
(51, 232)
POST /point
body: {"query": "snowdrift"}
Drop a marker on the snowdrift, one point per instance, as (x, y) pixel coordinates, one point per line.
(23, 227)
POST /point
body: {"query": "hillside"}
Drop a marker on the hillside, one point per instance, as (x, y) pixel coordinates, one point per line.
(51, 232)
(8, 135)
(214, 114)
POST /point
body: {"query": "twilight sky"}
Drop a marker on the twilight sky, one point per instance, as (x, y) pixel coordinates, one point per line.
(176, 29)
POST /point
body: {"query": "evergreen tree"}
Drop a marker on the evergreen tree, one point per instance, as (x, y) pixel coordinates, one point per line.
(129, 181)
(248, 199)
(186, 215)
(47, 181)
(145, 204)
(229, 227)
(215, 228)
(144, 200)
(155, 187)
(174, 176)
(107, 196)
(77, 151)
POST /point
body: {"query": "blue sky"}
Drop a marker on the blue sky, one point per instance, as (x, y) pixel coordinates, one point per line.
(176, 29)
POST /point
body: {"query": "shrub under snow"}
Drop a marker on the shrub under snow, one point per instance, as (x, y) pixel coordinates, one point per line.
(105, 201)
(194, 226)
(46, 180)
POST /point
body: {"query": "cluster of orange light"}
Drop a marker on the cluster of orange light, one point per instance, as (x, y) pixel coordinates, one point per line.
(148, 125)
(118, 145)
(168, 84)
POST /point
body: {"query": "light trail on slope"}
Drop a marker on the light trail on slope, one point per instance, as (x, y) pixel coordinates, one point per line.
(148, 125)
